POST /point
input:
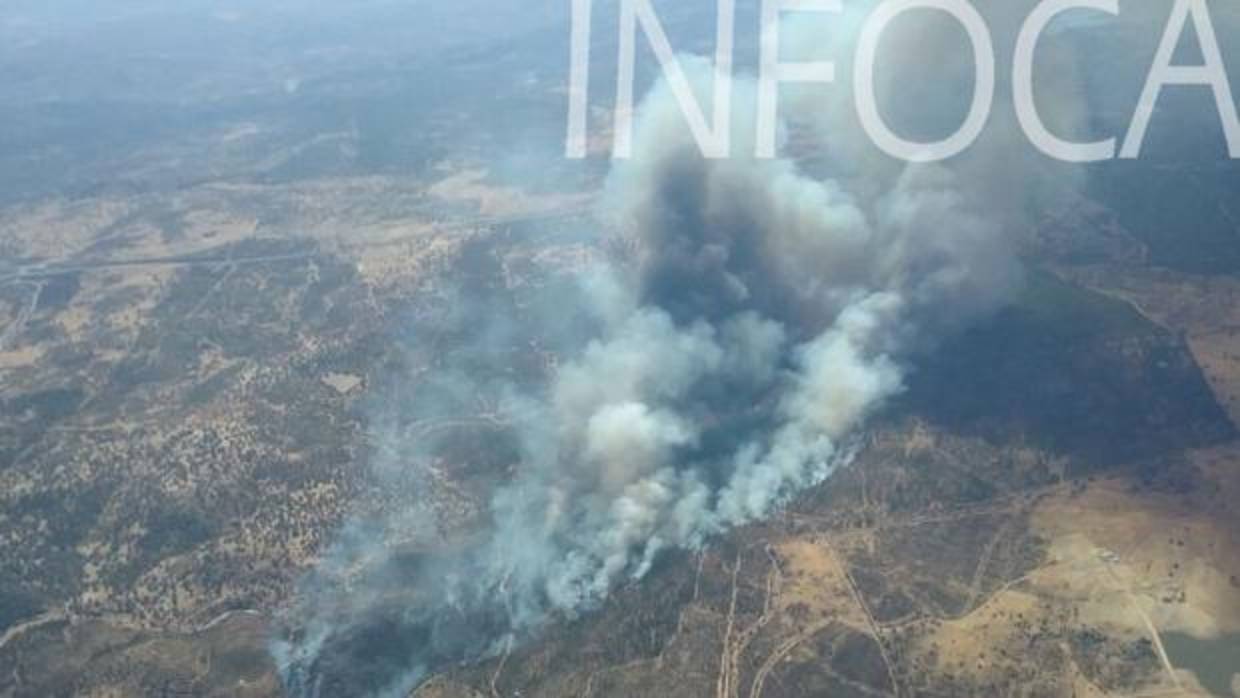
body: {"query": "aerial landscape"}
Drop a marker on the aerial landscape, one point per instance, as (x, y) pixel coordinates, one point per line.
(329, 369)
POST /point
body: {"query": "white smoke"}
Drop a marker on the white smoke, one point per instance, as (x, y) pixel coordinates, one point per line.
(754, 287)
(762, 316)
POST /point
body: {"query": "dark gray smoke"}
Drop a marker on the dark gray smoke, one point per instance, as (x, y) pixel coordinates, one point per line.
(757, 318)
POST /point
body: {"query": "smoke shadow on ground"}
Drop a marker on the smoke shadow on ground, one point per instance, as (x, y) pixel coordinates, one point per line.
(1071, 371)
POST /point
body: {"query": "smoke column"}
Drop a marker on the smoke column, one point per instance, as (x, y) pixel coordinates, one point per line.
(756, 318)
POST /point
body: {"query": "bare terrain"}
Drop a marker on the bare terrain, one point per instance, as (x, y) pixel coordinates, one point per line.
(219, 285)
(187, 428)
